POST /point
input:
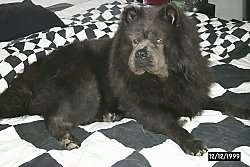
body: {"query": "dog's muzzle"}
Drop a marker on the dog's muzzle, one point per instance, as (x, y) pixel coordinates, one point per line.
(146, 57)
(143, 58)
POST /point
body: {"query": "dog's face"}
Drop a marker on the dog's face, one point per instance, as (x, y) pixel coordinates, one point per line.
(148, 30)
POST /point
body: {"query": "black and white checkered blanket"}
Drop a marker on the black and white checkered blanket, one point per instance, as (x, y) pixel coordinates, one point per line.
(24, 141)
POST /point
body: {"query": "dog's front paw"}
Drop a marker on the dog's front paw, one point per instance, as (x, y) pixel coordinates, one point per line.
(194, 147)
(69, 142)
(110, 117)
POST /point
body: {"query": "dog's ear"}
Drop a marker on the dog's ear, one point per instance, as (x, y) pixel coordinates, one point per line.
(170, 13)
(130, 14)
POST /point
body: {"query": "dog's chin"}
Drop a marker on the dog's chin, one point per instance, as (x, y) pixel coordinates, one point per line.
(160, 73)
(138, 71)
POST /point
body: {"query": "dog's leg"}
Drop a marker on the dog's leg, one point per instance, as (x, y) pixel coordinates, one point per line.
(56, 112)
(59, 127)
(163, 122)
(108, 110)
(226, 108)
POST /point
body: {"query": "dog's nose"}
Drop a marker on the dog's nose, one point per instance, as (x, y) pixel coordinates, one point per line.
(143, 58)
(141, 54)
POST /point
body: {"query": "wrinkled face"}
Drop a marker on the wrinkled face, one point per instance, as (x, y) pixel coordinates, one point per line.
(147, 29)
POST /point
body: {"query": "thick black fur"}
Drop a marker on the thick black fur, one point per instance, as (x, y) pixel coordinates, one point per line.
(85, 81)
(62, 87)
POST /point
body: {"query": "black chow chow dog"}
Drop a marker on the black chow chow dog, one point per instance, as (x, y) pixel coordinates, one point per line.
(158, 74)
(151, 70)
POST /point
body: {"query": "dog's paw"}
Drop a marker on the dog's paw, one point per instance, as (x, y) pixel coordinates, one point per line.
(69, 142)
(194, 147)
(110, 117)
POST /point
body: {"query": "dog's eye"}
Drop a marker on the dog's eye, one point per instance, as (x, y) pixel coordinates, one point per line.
(135, 41)
(159, 41)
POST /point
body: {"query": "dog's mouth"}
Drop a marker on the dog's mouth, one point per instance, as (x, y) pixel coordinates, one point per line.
(161, 73)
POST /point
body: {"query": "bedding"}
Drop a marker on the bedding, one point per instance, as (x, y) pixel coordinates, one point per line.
(24, 141)
(46, 3)
(24, 18)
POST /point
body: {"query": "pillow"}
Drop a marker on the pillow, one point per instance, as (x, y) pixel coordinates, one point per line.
(24, 18)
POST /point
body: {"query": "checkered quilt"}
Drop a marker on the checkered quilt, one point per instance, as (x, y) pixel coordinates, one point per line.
(24, 141)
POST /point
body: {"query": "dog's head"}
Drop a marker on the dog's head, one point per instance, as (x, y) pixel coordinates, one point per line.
(149, 31)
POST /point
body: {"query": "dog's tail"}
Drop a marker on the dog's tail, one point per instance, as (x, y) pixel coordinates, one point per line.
(227, 108)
